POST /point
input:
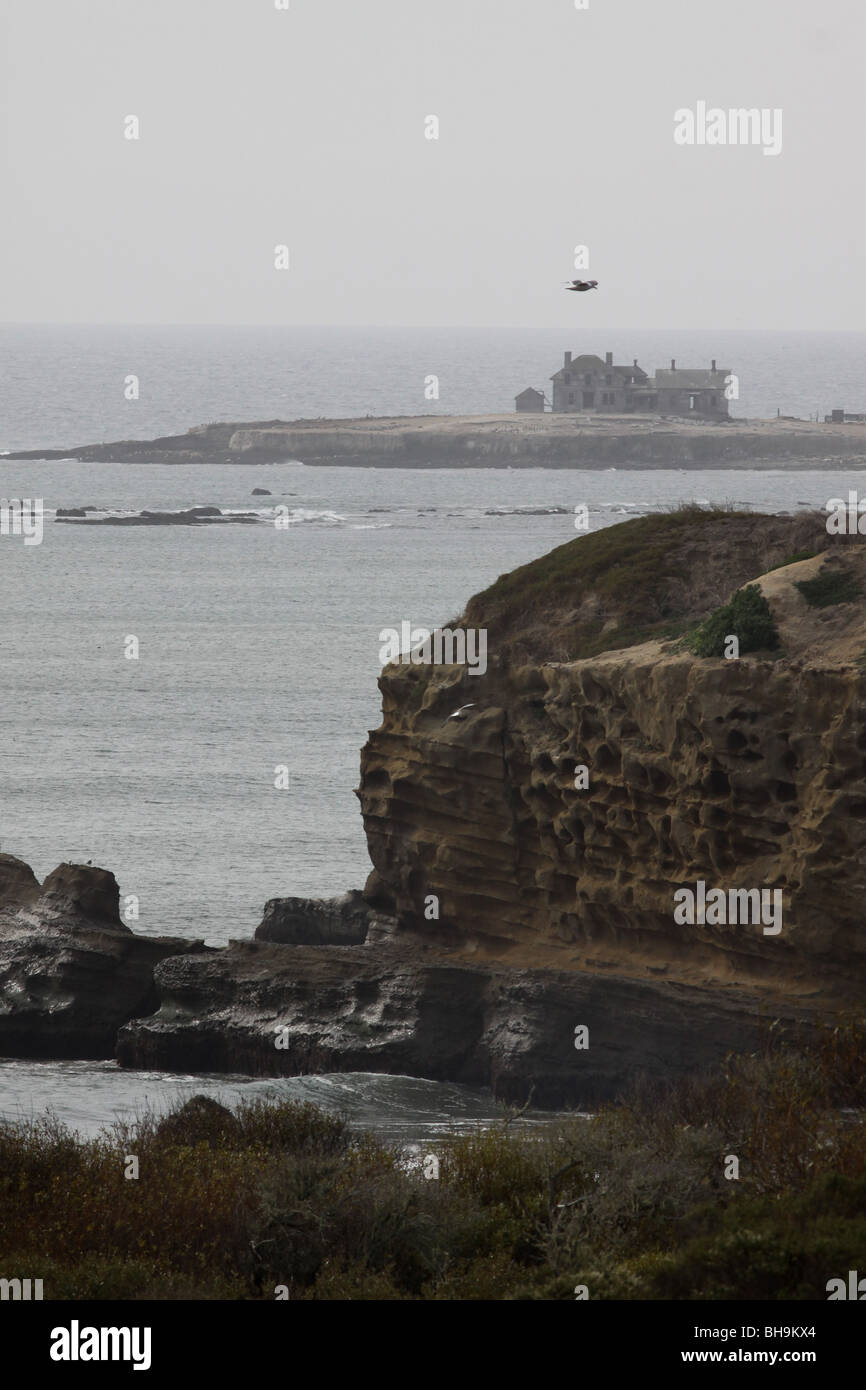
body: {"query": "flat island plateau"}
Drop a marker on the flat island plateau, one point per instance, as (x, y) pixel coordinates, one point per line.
(551, 440)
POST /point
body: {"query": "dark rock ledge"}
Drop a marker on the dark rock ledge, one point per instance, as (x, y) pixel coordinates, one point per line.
(370, 1009)
(75, 982)
(71, 972)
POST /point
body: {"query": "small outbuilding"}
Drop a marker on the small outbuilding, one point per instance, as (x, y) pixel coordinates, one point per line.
(531, 401)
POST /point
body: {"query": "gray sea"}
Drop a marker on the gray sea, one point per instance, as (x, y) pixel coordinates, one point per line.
(258, 647)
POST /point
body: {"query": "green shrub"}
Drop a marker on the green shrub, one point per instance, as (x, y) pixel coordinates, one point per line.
(747, 617)
(829, 588)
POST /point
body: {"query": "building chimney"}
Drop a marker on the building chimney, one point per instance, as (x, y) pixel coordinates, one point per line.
(568, 359)
(634, 363)
(714, 364)
(608, 359)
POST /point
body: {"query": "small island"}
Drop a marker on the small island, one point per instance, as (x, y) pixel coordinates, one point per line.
(521, 439)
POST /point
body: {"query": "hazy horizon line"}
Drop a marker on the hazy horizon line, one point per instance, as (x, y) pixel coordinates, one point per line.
(408, 327)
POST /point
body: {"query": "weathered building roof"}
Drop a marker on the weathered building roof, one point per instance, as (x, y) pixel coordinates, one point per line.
(691, 379)
(588, 362)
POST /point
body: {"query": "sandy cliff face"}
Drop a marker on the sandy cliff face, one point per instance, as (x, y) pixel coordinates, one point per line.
(746, 774)
(521, 927)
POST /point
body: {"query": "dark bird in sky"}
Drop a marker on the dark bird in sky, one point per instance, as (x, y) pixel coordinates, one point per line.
(579, 286)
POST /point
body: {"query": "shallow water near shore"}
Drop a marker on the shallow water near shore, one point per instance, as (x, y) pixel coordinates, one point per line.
(88, 1096)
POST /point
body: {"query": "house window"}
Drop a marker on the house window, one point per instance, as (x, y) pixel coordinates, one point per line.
(693, 402)
(588, 399)
(567, 378)
(587, 380)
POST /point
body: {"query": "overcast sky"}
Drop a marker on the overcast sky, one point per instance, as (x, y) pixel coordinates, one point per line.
(261, 127)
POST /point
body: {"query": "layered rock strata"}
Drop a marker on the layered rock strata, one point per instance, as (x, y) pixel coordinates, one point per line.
(283, 1011)
(745, 774)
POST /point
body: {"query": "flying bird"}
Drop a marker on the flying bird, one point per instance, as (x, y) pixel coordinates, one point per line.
(459, 713)
(580, 286)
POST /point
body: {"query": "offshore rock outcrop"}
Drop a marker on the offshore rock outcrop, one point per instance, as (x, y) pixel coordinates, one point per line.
(513, 907)
(191, 516)
(71, 972)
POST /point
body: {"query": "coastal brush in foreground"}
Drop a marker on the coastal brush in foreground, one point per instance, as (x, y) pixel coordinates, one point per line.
(280, 1200)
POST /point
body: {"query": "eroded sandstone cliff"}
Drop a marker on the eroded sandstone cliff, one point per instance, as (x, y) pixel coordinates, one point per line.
(746, 774)
(520, 926)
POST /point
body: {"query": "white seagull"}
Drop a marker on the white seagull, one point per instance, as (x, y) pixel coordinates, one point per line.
(458, 713)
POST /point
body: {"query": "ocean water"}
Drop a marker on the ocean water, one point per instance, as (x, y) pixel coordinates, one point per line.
(258, 647)
(64, 385)
(401, 1110)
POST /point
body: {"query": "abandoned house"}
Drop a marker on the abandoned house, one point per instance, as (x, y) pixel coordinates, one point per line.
(588, 383)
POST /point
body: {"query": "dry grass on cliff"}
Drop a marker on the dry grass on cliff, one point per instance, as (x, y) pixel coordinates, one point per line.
(634, 1203)
(648, 578)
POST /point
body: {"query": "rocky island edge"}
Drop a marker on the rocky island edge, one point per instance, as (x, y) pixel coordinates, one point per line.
(559, 440)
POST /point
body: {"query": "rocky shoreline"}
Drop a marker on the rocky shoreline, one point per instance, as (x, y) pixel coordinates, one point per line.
(75, 982)
(494, 441)
(518, 931)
